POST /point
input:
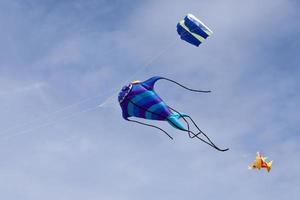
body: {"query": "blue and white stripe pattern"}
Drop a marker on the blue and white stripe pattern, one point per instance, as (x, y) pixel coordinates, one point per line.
(193, 30)
(143, 102)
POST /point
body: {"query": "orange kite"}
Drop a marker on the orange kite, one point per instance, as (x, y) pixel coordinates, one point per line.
(261, 162)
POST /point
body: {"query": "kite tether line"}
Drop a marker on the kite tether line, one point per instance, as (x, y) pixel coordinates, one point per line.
(147, 64)
(64, 108)
(143, 67)
(50, 115)
(55, 121)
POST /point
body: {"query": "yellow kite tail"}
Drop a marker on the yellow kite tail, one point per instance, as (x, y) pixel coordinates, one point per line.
(269, 165)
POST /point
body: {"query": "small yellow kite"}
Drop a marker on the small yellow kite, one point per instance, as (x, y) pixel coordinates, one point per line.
(261, 162)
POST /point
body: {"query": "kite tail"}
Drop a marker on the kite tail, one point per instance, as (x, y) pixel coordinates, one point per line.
(193, 135)
(145, 124)
(193, 90)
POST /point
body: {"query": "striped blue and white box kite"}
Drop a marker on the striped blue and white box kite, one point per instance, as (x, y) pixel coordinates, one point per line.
(193, 30)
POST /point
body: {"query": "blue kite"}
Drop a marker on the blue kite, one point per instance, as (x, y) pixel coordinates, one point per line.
(138, 99)
(192, 30)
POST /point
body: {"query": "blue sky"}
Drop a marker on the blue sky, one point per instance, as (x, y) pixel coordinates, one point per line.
(60, 59)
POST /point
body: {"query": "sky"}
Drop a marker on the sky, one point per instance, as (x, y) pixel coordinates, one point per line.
(59, 60)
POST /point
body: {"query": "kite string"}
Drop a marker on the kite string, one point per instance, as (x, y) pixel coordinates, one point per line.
(51, 114)
(143, 67)
(48, 116)
(55, 121)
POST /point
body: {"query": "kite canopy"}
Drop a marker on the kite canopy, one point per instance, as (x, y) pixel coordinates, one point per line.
(193, 30)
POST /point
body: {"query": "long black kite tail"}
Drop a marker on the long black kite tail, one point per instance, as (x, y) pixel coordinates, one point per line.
(193, 135)
(193, 90)
(201, 132)
(150, 125)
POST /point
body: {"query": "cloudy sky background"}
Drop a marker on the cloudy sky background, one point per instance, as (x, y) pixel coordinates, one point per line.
(60, 59)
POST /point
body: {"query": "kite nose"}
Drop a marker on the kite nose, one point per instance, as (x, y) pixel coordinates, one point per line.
(124, 92)
(135, 82)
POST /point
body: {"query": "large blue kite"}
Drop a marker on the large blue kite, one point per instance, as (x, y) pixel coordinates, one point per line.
(138, 99)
